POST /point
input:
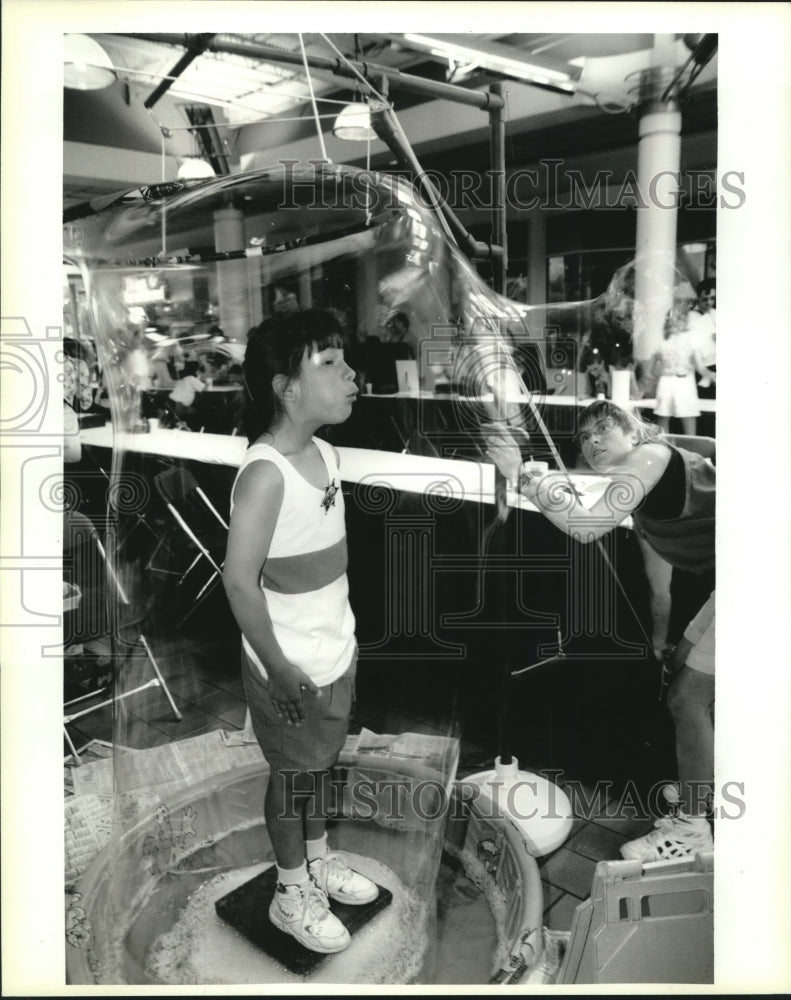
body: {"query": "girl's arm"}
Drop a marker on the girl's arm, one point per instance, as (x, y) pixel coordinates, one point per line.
(257, 501)
(629, 484)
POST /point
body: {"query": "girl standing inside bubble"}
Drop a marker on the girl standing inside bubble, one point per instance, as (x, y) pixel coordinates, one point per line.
(285, 576)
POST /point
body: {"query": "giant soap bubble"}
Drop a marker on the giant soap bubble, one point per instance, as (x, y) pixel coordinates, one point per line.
(176, 276)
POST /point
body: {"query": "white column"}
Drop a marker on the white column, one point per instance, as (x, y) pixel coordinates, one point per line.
(658, 166)
(232, 275)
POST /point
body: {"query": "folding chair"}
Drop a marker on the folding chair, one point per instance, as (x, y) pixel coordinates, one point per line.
(88, 615)
(140, 516)
(200, 522)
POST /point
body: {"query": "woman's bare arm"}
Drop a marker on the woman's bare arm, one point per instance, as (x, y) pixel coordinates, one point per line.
(629, 484)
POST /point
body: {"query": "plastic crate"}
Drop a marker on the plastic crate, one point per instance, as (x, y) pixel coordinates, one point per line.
(651, 923)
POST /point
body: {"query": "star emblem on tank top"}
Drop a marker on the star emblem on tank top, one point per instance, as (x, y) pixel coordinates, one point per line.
(329, 497)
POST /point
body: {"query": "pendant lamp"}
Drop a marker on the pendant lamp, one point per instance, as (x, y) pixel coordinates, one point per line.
(86, 66)
(195, 168)
(354, 124)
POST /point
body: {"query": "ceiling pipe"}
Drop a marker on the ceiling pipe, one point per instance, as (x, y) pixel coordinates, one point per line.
(252, 50)
(196, 44)
(388, 129)
(386, 125)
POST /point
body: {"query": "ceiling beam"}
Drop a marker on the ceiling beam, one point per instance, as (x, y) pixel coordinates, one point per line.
(338, 67)
(196, 44)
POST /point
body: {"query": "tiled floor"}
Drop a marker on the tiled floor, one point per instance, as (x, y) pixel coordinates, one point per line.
(204, 679)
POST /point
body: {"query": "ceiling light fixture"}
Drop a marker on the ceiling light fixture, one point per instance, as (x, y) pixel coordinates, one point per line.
(497, 59)
(195, 168)
(354, 121)
(354, 124)
(86, 66)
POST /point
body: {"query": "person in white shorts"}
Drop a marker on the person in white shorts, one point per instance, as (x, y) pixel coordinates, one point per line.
(675, 364)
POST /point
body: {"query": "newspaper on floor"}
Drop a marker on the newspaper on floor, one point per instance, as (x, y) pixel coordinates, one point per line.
(89, 821)
(144, 778)
(173, 765)
(399, 781)
(435, 752)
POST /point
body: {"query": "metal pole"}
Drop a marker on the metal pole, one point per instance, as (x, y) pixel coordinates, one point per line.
(497, 158)
(499, 268)
(387, 128)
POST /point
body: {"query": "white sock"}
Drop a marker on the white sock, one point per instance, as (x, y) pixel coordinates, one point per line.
(316, 848)
(292, 876)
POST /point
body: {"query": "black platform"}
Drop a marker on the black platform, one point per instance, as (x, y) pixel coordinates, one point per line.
(246, 909)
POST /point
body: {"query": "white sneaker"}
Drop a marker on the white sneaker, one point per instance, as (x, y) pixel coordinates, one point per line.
(340, 882)
(674, 839)
(304, 912)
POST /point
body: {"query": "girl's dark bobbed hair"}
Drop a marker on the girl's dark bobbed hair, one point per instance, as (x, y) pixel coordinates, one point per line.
(277, 347)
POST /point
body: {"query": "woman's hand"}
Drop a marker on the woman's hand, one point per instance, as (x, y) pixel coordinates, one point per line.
(285, 690)
(529, 483)
(502, 449)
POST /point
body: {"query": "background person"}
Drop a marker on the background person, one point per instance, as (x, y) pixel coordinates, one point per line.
(381, 356)
(183, 393)
(598, 378)
(675, 364)
(78, 394)
(703, 327)
(72, 447)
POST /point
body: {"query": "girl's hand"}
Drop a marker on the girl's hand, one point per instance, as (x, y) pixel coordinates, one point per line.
(285, 690)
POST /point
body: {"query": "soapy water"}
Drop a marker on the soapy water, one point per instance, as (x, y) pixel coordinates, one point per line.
(446, 922)
(201, 948)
